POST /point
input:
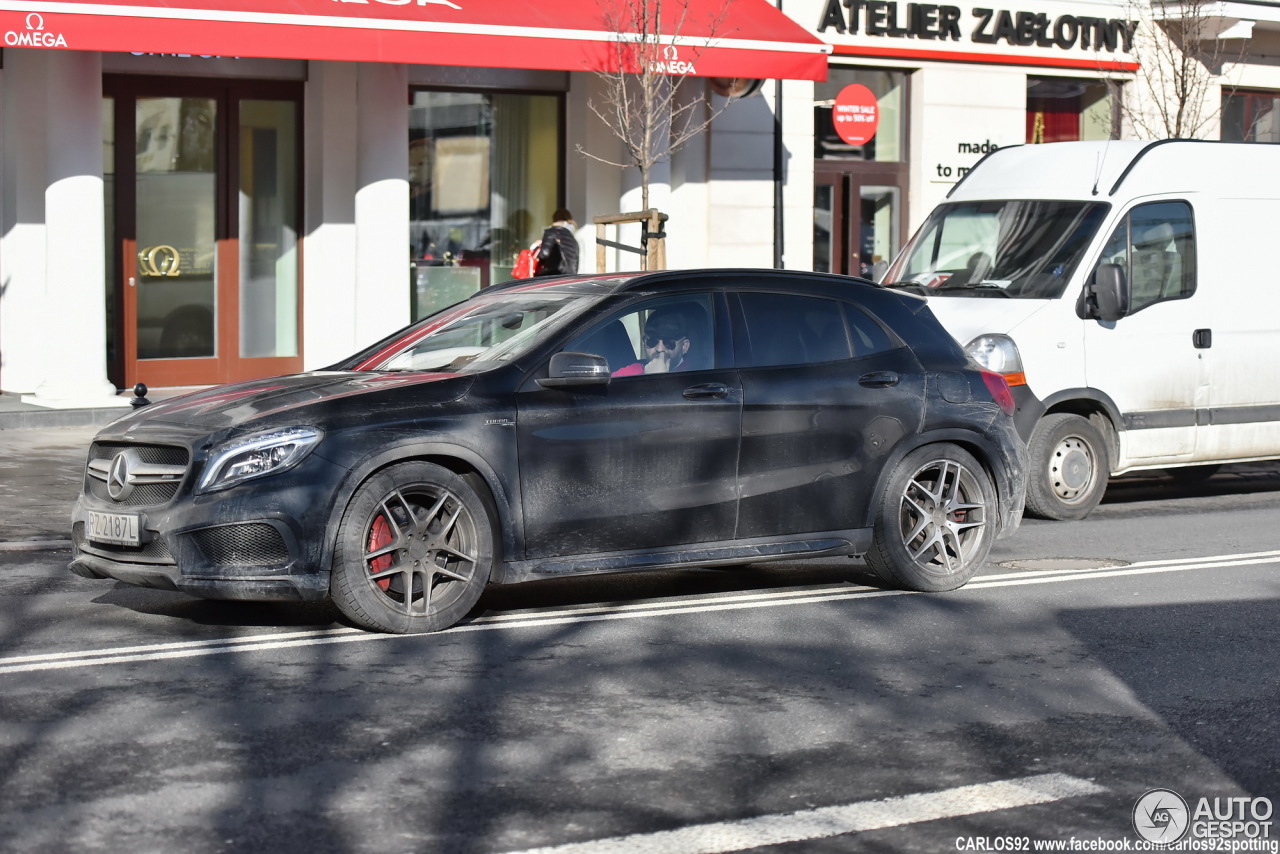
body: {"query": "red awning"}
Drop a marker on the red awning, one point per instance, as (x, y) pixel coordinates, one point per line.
(714, 38)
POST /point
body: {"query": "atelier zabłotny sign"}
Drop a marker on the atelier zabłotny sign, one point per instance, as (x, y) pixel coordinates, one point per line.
(988, 26)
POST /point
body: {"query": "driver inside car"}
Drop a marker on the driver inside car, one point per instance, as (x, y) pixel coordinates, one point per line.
(666, 345)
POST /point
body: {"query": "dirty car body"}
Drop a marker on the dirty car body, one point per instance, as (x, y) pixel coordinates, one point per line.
(516, 435)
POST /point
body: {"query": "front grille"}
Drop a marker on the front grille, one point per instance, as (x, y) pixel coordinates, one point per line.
(155, 551)
(143, 494)
(253, 544)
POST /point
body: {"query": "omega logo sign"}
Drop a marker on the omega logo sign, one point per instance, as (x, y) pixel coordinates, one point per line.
(1021, 29)
(671, 63)
(34, 35)
(159, 261)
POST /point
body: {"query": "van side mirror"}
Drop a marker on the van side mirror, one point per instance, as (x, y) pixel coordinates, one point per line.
(576, 369)
(1107, 296)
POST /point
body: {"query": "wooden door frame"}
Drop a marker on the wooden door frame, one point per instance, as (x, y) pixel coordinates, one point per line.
(849, 177)
(227, 365)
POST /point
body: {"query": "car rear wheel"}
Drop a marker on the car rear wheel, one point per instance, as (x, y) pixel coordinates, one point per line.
(414, 550)
(936, 521)
(1067, 457)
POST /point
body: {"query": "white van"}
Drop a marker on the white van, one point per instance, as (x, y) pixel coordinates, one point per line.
(1129, 293)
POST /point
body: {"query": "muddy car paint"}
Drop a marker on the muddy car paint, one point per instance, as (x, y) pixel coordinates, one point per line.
(725, 464)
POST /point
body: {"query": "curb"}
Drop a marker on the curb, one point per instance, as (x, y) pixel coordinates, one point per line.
(35, 545)
(28, 419)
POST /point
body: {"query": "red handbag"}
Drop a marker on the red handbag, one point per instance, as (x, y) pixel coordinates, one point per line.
(526, 264)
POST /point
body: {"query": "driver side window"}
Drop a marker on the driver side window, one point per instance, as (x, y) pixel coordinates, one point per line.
(663, 335)
(1155, 246)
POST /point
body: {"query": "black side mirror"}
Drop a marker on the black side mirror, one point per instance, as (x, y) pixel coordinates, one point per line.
(576, 369)
(1107, 296)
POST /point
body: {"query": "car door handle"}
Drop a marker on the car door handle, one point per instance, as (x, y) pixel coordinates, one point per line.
(878, 379)
(706, 391)
(1202, 339)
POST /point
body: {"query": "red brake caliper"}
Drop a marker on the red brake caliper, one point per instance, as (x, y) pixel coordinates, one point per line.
(380, 537)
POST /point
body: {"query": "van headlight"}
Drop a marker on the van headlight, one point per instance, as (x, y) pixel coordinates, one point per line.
(996, 353)
(257, 456)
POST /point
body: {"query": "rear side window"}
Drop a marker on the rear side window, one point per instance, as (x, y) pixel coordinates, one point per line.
(868, 336)
(1155, 246)
(786, 329)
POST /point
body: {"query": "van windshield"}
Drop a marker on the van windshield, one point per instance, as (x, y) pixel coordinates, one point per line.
(1021, 249)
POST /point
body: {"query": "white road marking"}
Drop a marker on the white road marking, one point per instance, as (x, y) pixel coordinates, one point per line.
(638, 610)
(725, 836)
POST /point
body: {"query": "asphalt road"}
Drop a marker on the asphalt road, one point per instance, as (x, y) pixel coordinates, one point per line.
(789, 707)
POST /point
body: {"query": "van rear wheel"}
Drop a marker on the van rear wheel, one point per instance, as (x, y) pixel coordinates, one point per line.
(1068, 467)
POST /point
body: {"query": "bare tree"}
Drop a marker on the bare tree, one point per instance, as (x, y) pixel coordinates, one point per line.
(647, 102)
(1183, 49)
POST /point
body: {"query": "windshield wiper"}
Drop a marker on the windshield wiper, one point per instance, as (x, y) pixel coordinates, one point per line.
(903, 285)
(985, 287)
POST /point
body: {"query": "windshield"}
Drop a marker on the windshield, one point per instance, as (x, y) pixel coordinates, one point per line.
(1020, 249)
(475, 335)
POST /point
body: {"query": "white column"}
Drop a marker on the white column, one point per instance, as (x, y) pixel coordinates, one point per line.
(75, 276)
(741, 184)
(23, 330)
(382, 201)
(797, 172)
(329, 262)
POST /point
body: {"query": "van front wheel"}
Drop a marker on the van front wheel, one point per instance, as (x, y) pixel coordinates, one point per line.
(1069, 467)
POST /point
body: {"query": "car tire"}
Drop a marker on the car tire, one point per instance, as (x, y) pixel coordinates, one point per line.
(936, 520)
(1068, 467)
(415, 527)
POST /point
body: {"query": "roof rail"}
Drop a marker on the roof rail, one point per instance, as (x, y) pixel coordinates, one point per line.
(1158, 142)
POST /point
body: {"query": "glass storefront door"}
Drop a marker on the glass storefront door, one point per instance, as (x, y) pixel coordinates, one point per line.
(204, 186)
(857, 220)
(860, 178)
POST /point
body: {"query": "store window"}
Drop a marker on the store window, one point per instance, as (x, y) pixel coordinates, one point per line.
(887, 144)
(1251, 116)
(484, 179)
(860, 169)
(1062, 109)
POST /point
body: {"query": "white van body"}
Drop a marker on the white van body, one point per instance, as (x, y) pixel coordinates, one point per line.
(1126, 290)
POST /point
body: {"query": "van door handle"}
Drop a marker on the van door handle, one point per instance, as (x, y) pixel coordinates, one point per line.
(706, 391)
(878, 379)
(1202, 339)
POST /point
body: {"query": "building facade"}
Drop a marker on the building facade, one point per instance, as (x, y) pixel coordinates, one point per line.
(205, 192)
(918, 92)
(227, 190)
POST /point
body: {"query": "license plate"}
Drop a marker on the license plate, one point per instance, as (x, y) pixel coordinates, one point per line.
(113, 528)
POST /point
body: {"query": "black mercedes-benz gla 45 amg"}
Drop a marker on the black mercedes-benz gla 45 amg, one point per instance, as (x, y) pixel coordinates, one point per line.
(570, 425)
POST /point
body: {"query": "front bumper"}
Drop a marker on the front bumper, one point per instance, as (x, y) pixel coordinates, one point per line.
(307, 588)
(261, 540)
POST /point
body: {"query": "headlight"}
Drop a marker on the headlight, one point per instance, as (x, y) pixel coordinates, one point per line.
(257, 456)
(996, 353)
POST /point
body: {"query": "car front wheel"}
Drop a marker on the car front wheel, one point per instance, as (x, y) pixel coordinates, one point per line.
(414, 550)
(936, 521)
